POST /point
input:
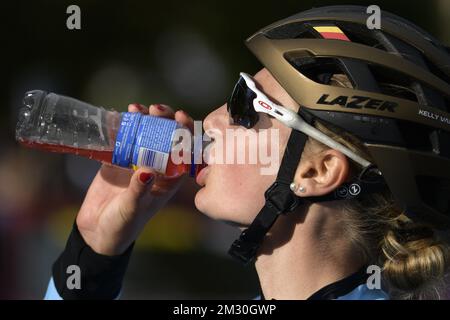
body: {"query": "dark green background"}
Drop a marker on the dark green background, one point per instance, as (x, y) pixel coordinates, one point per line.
(38, 51)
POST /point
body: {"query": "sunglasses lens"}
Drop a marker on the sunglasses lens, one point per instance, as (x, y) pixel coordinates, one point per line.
(240, 105)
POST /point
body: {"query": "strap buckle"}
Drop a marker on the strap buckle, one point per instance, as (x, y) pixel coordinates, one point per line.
(280, 197)
(243, 249)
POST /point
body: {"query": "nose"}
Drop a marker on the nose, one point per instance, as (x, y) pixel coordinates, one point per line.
(217, 120)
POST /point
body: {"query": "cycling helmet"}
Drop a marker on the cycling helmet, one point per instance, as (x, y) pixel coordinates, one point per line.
(398, 104)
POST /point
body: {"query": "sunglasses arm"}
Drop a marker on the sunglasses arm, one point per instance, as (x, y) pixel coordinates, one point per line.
(294, 121)
(291, 119)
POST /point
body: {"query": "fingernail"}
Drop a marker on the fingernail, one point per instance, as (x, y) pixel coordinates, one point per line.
(186, 114)
(141, 107)
(146, 177)
(160, 107)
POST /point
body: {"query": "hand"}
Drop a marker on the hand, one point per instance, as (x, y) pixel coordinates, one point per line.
(119, 202)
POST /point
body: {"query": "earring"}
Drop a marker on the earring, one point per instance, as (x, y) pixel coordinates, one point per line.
(294, 188)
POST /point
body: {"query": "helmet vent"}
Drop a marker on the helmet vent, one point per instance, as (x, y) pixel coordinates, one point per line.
(298, 30)
(393, 83)
(358, 33)
(434, 69)
(319, 70)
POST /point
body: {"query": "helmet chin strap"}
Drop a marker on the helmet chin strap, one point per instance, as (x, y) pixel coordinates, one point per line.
(281, 200)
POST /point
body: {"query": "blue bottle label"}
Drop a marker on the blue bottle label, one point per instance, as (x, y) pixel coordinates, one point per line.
(144, 141)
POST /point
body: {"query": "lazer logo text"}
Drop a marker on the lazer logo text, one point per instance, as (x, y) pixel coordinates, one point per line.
(358, 102)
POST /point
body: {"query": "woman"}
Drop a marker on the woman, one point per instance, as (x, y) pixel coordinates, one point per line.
(363, 123)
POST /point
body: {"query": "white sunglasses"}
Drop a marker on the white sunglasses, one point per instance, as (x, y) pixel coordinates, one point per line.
(247, 101)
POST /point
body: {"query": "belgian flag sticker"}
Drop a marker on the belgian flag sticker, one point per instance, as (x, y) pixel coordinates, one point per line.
(331, 32)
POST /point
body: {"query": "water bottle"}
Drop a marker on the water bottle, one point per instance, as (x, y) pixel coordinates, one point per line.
(58, 123)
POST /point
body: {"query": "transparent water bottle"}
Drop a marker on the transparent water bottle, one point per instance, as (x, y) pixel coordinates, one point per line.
(57, 123)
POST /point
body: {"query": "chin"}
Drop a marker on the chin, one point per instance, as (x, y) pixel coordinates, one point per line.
(208, 206)
(202, 204)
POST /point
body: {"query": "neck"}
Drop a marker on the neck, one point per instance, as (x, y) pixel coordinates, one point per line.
(303, 253)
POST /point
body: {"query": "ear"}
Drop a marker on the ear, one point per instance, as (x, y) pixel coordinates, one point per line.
(321, 173)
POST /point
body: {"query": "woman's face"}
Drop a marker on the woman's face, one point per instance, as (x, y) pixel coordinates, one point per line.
(234, 191)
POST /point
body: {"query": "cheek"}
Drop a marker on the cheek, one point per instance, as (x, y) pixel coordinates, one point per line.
(233, 192)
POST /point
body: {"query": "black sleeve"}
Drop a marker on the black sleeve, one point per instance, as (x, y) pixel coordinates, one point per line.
(101, 276)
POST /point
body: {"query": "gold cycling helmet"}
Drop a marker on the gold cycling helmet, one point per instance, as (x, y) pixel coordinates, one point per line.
(398, 103)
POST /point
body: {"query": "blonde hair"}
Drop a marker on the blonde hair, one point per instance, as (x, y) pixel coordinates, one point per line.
(413, 258)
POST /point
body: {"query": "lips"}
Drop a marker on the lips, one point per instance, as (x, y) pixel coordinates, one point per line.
(204, 168)
(201, 176)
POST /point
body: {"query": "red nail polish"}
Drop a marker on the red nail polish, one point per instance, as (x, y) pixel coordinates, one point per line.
(160, 107)
(141, 107)
(146, 177)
